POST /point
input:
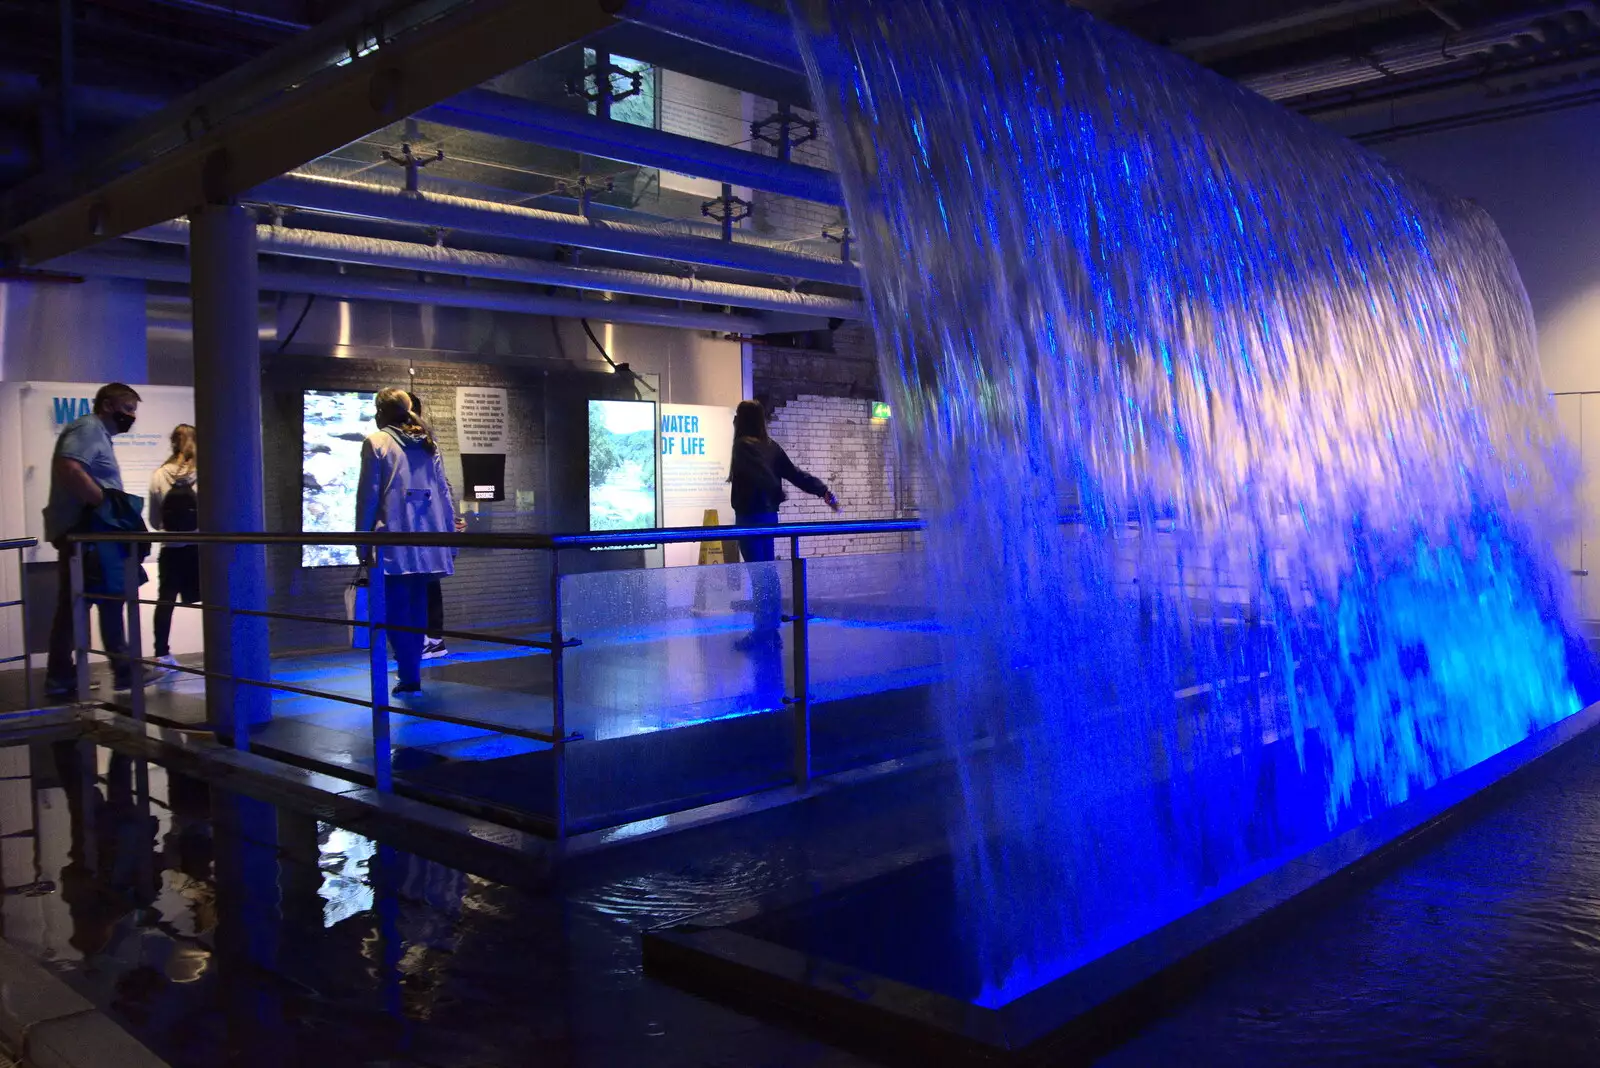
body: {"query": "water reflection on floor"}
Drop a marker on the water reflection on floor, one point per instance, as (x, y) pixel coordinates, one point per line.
(225, 932)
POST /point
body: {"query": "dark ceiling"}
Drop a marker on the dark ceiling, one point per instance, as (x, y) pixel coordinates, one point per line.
(1374, 68)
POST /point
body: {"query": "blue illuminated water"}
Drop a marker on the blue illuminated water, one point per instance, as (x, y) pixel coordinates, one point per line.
(1293, 397)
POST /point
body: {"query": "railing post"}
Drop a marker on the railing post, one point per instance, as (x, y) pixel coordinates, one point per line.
(558, 701)
(800, 704)
(133, 631)
(80, 619)
(22, 605)
(378, 662)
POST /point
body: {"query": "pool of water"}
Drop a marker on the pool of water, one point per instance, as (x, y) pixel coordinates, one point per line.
(223, 931)
(1484, 950)
(220, 930)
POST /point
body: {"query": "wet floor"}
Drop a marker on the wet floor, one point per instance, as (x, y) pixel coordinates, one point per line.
(222, 931)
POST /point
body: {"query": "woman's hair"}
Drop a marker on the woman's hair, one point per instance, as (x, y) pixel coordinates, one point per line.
(749, 420)
(394, 409)
(182, 447)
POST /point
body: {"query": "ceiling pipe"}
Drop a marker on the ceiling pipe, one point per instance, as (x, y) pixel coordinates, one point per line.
(1410, 57)
(499, 115)
(409, 256)
(1202, 49)
(346, 287)
(235, 14)
(462, 215)
(756, 33)
(19, 89)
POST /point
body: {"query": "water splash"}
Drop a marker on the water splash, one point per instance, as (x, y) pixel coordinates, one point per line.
(1291, 395)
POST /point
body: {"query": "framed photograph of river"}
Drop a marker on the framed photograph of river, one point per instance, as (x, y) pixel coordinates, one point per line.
(622, 465)
(332, 427)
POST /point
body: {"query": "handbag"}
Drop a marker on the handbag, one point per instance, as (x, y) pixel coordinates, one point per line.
(355, 610)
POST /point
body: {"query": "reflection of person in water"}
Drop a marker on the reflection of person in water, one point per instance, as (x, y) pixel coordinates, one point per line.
(758, 470)
(104, 880)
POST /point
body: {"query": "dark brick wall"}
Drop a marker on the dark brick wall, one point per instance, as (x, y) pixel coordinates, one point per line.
(547, 455)
(820, 407)
(780, 374)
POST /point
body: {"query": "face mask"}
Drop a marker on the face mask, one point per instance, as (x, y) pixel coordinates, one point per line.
(123, 420)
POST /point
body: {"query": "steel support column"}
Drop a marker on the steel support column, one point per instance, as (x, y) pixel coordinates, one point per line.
(227, 405)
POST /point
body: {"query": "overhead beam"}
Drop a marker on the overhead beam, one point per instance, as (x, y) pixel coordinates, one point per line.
(459, 215)
(485, 112)
(430, 61)
(706, 62)
(727, 25)
(430, 259)
(100, 263)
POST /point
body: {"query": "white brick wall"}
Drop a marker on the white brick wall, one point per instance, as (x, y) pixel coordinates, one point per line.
(836, 439)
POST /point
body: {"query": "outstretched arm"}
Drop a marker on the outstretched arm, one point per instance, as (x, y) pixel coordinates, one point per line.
(803, 480)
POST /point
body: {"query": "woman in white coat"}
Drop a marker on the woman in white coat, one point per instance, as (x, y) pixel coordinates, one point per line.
(403, 491)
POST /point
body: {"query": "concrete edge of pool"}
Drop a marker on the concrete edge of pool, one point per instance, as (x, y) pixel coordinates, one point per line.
(43, 1021)
(1089, 1011)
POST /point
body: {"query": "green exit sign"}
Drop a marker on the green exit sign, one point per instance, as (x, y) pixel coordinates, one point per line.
(880, 409)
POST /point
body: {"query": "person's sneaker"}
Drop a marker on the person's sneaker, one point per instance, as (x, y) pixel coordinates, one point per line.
(433, 649)
(126, 686)
(402, 690)
(169, 666)
(68, 691)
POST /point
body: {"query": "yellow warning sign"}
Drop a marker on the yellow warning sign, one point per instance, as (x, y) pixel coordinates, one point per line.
(717, 552)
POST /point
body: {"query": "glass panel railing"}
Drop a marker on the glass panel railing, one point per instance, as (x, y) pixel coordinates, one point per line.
(479, 731)
(675, 707)
(874, 659)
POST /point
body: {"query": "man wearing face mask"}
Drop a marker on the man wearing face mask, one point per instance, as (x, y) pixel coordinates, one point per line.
(82, 471)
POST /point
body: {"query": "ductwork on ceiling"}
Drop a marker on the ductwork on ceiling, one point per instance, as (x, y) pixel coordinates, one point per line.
(680, 243)
(21, 90)
(96, 105)
(407, 256)
(1443, 49)
(169, 269)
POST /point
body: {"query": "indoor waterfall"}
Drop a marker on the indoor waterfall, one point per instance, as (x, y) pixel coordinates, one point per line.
(1246, 484)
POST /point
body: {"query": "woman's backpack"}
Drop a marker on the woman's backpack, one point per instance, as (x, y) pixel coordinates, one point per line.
(180, 508)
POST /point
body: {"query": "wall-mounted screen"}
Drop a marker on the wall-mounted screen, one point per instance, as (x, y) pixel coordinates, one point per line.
(622, 465)
(332, 427)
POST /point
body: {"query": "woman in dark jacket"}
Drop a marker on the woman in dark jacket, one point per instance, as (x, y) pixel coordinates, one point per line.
(758, 470)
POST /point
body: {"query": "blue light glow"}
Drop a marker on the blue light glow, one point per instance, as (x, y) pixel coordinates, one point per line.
(1102, 277)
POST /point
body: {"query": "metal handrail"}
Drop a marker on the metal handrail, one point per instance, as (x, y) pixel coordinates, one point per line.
(21, 603)
(558, 644)
(585, 539)
(679, 535)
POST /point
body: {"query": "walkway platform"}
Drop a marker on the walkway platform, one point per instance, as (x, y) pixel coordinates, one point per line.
(669, 718)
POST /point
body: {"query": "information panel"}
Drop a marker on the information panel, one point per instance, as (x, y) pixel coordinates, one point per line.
(333, 424)
(622, 465)
(696, 444)
(481, 413)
